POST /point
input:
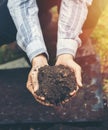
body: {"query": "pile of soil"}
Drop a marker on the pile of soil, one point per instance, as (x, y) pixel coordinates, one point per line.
(56, 83)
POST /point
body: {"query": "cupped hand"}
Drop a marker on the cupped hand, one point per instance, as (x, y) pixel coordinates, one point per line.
(67, 60)
(32, 82)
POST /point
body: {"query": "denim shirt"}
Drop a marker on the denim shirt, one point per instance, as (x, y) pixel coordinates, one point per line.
(29, 35)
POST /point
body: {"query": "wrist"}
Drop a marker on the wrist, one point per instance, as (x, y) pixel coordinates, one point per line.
(39, 59)
(65, 56)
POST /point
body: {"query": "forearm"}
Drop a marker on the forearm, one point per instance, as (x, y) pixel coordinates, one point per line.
(72, 16)
(29, 35)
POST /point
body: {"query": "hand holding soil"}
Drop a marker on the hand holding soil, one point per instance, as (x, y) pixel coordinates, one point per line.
(32, 82)
(68, 60)
(55, 84)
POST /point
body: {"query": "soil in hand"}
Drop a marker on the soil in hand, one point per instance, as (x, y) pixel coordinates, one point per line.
(55, 83)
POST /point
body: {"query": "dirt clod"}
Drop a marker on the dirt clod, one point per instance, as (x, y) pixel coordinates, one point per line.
(55, 83)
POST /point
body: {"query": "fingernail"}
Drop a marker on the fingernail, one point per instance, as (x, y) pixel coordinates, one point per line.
(72, 93)
(66, 100)
(42, 98)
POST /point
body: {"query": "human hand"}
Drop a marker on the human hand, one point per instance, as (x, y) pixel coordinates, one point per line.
(67, 60)
(32, 82)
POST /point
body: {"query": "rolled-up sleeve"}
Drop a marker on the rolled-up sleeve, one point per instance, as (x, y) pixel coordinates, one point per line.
(72, 16)
(29, 35)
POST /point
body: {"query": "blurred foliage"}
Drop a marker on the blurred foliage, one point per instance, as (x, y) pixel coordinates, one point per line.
(8, 53)
(100, 35)
(105, 86)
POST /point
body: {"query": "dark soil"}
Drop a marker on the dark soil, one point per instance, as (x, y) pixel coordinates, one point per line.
(56, 83)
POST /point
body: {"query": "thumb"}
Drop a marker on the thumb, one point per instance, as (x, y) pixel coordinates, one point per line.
(78, 77)
(34, 79)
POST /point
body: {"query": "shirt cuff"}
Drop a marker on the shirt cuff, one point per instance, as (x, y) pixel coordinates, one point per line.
(34, 49)
(89, 2)
(67, 46)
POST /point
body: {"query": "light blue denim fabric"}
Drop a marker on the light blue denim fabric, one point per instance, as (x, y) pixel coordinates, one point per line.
(29, 35)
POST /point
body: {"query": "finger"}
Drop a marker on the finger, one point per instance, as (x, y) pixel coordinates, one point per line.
(78, 76)
(34, 78)
(39, 97)
(46, 104)
(42, 102)
(29, 81)
(73, 93)
(29, 84)
(63, 102)
(30, 87)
